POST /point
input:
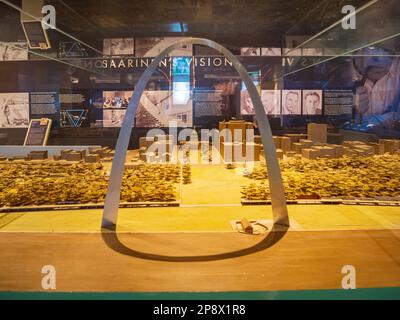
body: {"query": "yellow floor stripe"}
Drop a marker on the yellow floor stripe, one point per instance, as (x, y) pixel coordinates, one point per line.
(205, 218)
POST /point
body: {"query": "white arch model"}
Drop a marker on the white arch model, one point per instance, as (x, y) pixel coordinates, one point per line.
(278, 201)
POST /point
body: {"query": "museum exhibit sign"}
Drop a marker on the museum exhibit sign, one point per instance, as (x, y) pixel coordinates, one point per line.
(38, 132)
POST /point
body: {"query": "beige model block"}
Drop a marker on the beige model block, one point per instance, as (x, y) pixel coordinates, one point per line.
(38, 155)
(338, 150)
(252, 150)
(310, 153)
(74, 156)
(285, 143)
(221, 125)
(257, 139)
(317, 132)
(64, 153)
(277, 141)
(145, 142)
(379, 148)
(143, 156)
(232, 152)
(297, 147)
(279, 153)
(390, 145)
(306, 143)
(163, 146)
(163, 137)
(327, 152)
(364, 150)
(238, 127)
(92, 158)
(295, 137)
(249, 134)
(396, 145)
(290, 154)
(320, 150)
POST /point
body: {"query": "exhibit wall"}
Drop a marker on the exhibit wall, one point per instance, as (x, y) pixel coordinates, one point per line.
(194, 86)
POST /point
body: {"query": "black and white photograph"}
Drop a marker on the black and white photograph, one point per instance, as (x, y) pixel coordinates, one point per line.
(119, 47)
(271, 100)
(14, 110)
(152, 47)
(13, 51)
(313, 51)
(312, 102)
(113, 118)
(271, 52)
(291, 102)
(250, 51)
(116, 99)
(246, 105)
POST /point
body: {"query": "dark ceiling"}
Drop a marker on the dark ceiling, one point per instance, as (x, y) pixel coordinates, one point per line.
(231, 22)
(234, 23)
(244, 22)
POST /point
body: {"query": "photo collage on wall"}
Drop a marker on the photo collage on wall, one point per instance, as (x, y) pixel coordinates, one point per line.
(299, 102)
(13, 51)
(154, 109)
(254, 51)
(189, 89)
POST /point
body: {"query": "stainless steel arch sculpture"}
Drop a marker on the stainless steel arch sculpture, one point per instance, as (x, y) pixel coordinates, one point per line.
(278, 201)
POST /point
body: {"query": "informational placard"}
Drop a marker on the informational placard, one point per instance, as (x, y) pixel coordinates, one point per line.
(45, 105)
(337, 102)
(38, 132)
(36, 35)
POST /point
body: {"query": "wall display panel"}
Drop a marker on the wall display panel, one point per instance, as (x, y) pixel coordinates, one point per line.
(119, 46)
(72, 49)
(152, 47)
(13, 51)
(199, 50)
(14, 110)
(291, 102)
(313, 51)
(156, 109)
(246, 105)
(113, 118)
(250, 51)
(217, 100)
(45, 105)
(74, 118)
(209, 103)
(292, 52)
(293, 41)
(76, 109)
(181, 66)
(116, 99)
(338, 102)
(271, 100)
(38, 132)
(271, 52)
(312, 102)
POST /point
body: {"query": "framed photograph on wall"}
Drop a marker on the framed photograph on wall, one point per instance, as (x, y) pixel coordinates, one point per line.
(312, 102)
(119, 47)
(14, 110)
(291, 102)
